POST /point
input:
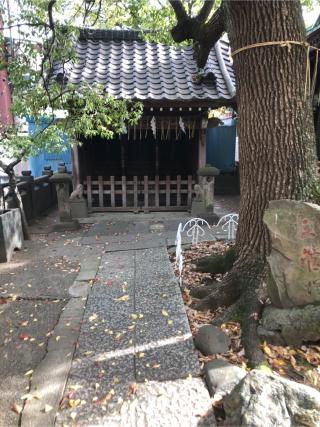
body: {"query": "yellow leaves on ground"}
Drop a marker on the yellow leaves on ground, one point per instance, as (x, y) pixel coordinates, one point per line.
(93, 317)
(73, 403)
(123, 298)
(164, 313)
(30, 396)
(136, 316)
(298, 364)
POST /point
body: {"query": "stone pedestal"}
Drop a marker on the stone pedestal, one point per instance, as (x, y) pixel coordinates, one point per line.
(198, 208)
(62, 182)
(79, 208)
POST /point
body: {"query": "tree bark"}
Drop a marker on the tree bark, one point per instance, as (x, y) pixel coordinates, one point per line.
(276, 143)
(275, 128)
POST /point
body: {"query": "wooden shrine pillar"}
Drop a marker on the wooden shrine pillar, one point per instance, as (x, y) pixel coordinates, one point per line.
(75, 165)
(123, 163)
(202, 145)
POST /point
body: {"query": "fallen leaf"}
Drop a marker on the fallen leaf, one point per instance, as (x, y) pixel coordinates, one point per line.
(123, 298)
(16, 408)
(133, 388)
(24, 323)
(73, 415)
(93, 317)
(165, 313)
(73, 403)
(24, 337)
(47, 408)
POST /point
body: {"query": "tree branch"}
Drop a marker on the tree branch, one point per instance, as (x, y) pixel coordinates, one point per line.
(179, 10)
(205, 11)
(204, 34)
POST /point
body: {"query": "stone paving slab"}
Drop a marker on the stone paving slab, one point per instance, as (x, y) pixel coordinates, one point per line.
(126, 242)
(50, 376)
(53, 277)
(156, 331)
(134, 329)
(155, 300)
(180, 403)
(22, 347)
(167, 362)
(110, 228)
(103, 385)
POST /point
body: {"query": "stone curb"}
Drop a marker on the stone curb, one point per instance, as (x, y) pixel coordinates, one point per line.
(50, 377)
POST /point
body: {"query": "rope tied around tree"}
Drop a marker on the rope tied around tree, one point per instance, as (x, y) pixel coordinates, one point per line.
(309, 87)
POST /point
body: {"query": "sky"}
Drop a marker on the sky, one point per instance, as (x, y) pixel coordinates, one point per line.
(309, 16)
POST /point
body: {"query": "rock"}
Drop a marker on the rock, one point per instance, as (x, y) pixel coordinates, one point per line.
(266, 400)
(291, 326)
(222, 377)
(295, 256)
(211, 340)
(272, 337)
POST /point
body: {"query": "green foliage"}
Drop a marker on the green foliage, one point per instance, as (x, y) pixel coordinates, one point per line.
(44, 34)
(154, 18)
(48, 40)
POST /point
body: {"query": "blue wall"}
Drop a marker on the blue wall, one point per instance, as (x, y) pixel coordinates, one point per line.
(221, 142)
(48, 159)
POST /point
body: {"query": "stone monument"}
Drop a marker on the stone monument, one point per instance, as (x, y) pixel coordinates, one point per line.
(294, 280)
(295, 255)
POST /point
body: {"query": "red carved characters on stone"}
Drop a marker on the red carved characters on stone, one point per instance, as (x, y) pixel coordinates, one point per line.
(310, 258)
(307, 230)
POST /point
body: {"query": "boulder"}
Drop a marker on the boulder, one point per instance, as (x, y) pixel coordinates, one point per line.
(266, 400)
(290, 326)
(211, 340)
(295, 255)
(222, 377)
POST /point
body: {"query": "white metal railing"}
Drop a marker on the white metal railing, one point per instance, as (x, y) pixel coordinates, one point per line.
(197, 228)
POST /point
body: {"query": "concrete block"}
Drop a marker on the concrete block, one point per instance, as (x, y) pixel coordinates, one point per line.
(11, 236)
(79, 208)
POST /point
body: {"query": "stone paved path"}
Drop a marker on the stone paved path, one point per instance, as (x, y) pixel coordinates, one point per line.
(93, 344)
(135, 364)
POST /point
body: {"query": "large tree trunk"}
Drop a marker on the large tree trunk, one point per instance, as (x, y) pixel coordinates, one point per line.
(276, 141)
(275, 127)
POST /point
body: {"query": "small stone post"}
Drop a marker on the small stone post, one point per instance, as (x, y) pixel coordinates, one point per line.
(47, 170)
(62, 181)
(206, 181)
(203, 201)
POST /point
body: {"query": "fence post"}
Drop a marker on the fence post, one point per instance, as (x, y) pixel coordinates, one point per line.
(29, 199)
